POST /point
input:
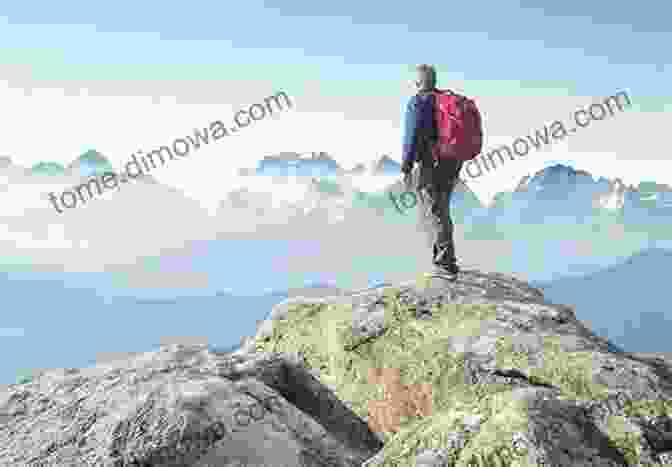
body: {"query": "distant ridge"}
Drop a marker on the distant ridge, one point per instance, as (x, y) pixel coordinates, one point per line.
(635, 289)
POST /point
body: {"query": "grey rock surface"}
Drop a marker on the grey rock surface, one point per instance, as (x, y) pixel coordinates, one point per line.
(181, 406)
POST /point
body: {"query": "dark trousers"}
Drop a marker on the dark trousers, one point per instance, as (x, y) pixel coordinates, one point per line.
(434, 184)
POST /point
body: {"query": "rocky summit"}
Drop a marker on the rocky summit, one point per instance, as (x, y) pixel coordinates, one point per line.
(478, 372)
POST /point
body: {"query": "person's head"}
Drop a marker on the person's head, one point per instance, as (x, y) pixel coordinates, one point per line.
(426, 77)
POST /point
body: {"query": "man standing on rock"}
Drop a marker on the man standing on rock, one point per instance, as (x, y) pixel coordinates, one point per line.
(442, 131)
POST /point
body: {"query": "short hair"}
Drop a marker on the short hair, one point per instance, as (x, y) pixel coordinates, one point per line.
(429, 71)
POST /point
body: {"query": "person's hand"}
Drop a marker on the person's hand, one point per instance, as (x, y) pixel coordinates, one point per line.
(407, 179)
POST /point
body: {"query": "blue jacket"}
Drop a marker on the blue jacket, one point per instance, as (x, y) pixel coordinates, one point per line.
(418, 123)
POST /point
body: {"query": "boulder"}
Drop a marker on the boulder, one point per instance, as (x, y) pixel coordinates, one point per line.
(515, 379)
(181, 405)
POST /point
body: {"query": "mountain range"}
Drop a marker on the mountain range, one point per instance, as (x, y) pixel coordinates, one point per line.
(556, 194)
(634, 290)
(318, 164)
(88, 164)
(560, 193)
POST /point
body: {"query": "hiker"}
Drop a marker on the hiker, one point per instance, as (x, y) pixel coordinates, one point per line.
(442, 131)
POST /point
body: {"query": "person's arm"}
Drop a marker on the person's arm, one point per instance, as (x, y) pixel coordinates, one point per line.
(409, 144)
(419, 125)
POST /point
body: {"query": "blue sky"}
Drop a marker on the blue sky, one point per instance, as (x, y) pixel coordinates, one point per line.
(353, 42)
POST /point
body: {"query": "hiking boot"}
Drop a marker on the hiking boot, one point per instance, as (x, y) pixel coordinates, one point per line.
(450, 271)
(450, 268)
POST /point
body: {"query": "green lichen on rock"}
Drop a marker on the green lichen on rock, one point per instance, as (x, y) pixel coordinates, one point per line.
(627, 441)
(419, 349)
(648, 408)
(322, 334)
(570, 371)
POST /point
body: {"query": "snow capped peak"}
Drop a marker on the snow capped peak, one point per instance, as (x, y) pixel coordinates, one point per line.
(563, 183)
(318, 164)
(297, 157)
(313, 164)
(48, 168)
(558, 173)
(613, 198)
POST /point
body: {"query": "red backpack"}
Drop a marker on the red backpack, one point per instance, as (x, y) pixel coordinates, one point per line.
(459, 125)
